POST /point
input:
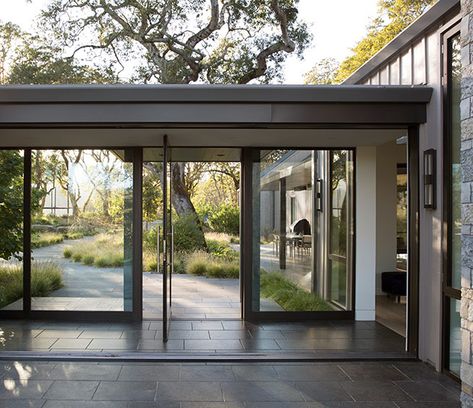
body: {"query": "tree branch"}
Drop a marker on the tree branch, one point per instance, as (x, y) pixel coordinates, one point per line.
(285, 44)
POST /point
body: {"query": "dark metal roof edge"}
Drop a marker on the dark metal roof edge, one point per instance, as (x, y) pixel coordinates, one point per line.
(422, 25)
(38, 94)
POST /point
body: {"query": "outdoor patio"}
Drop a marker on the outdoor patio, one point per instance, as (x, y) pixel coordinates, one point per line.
(275, 385)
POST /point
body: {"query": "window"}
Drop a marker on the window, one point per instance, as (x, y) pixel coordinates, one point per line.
(452, 206)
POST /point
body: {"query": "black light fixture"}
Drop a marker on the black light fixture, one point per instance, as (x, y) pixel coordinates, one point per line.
(318, 195)
(430, 179)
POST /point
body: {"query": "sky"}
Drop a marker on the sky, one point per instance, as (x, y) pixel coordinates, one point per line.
(336, 26)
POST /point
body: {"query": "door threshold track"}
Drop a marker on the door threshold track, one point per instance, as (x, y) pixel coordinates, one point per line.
(166, 357)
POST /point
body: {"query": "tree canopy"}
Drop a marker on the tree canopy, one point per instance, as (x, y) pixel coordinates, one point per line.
(183, 41)
(393, 17)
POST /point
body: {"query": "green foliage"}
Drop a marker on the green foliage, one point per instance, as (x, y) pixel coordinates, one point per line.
(289, 296)
(43, 239)
(225, 218)
(45, 278)
(104, 251)
(11, 204)
(188, 235)
(235, 41)
(204, 264)
(323, 73)
(222, 250)
(393, 17)
(35, 60)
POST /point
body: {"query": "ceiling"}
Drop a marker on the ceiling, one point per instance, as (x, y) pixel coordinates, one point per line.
(200, 137)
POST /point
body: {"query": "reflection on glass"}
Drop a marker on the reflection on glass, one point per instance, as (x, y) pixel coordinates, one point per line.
(284, 271)
(454, 362)
(455, 223)
(11, 229)
(82, 210)
(340, 226)
(401, 219)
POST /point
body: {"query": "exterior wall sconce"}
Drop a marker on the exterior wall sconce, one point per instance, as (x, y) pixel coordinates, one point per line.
(430, 179)
(318, 195)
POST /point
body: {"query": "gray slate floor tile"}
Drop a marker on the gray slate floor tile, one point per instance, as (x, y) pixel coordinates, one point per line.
(372, 371)
(85, 371)
(126, 391)
(427, 391)
(276, 391)
(189, 391)
(155, 372)
(206, 373)
(312, 372)
(85, 404)
(71, 390)
(254, 372)
(323, 391)
(31, 389)
(375, 391)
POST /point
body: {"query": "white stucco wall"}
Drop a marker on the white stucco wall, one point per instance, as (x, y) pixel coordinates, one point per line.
(387, 158)
(421, 63)
(365, 266)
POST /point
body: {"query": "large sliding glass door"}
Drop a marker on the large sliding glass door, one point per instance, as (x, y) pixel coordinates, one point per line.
(11, 230)
(70, 227)
(302, 213)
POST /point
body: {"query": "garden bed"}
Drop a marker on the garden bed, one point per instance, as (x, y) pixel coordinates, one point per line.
(45, 278)
(274, 285)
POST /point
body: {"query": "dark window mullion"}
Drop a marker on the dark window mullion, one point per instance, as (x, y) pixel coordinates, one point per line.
(27, 231)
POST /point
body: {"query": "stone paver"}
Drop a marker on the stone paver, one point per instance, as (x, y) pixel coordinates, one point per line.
(208, 336)
(294, 385)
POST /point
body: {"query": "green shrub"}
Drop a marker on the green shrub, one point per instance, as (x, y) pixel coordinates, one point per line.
(45, 278)
(226, 270)
(109, 260)
(43, 239)
(179, 263)
(74, 235)
(197, 262)
(150, 238)
(204, 264)
(222, 250)
(104, 250)
(88, 260)
(225, 218)
(188, 236)
(288, 295)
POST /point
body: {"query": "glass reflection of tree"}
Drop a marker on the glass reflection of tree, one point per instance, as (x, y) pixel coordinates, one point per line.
(339, 202)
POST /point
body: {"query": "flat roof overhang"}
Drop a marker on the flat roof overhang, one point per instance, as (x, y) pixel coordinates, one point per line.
(212, 106)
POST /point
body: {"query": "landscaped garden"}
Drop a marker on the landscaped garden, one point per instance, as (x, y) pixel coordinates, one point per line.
(45, 278)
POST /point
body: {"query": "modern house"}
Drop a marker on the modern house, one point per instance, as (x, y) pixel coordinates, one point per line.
(354, 192)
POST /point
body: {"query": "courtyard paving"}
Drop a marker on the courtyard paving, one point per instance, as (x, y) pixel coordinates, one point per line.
(101, 289)
(275, 385)
(217, 337)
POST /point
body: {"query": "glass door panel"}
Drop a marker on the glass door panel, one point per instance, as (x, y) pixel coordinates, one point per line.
(82, 230)
(452, 282)
(167, 241)
(287, 212)
(11, 230)
(340, 227)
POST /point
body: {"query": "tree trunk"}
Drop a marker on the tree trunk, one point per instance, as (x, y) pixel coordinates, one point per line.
(180, 197)
(75, 205)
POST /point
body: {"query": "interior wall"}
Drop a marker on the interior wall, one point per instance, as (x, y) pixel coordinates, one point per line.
(365, 257)
(387, 158)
